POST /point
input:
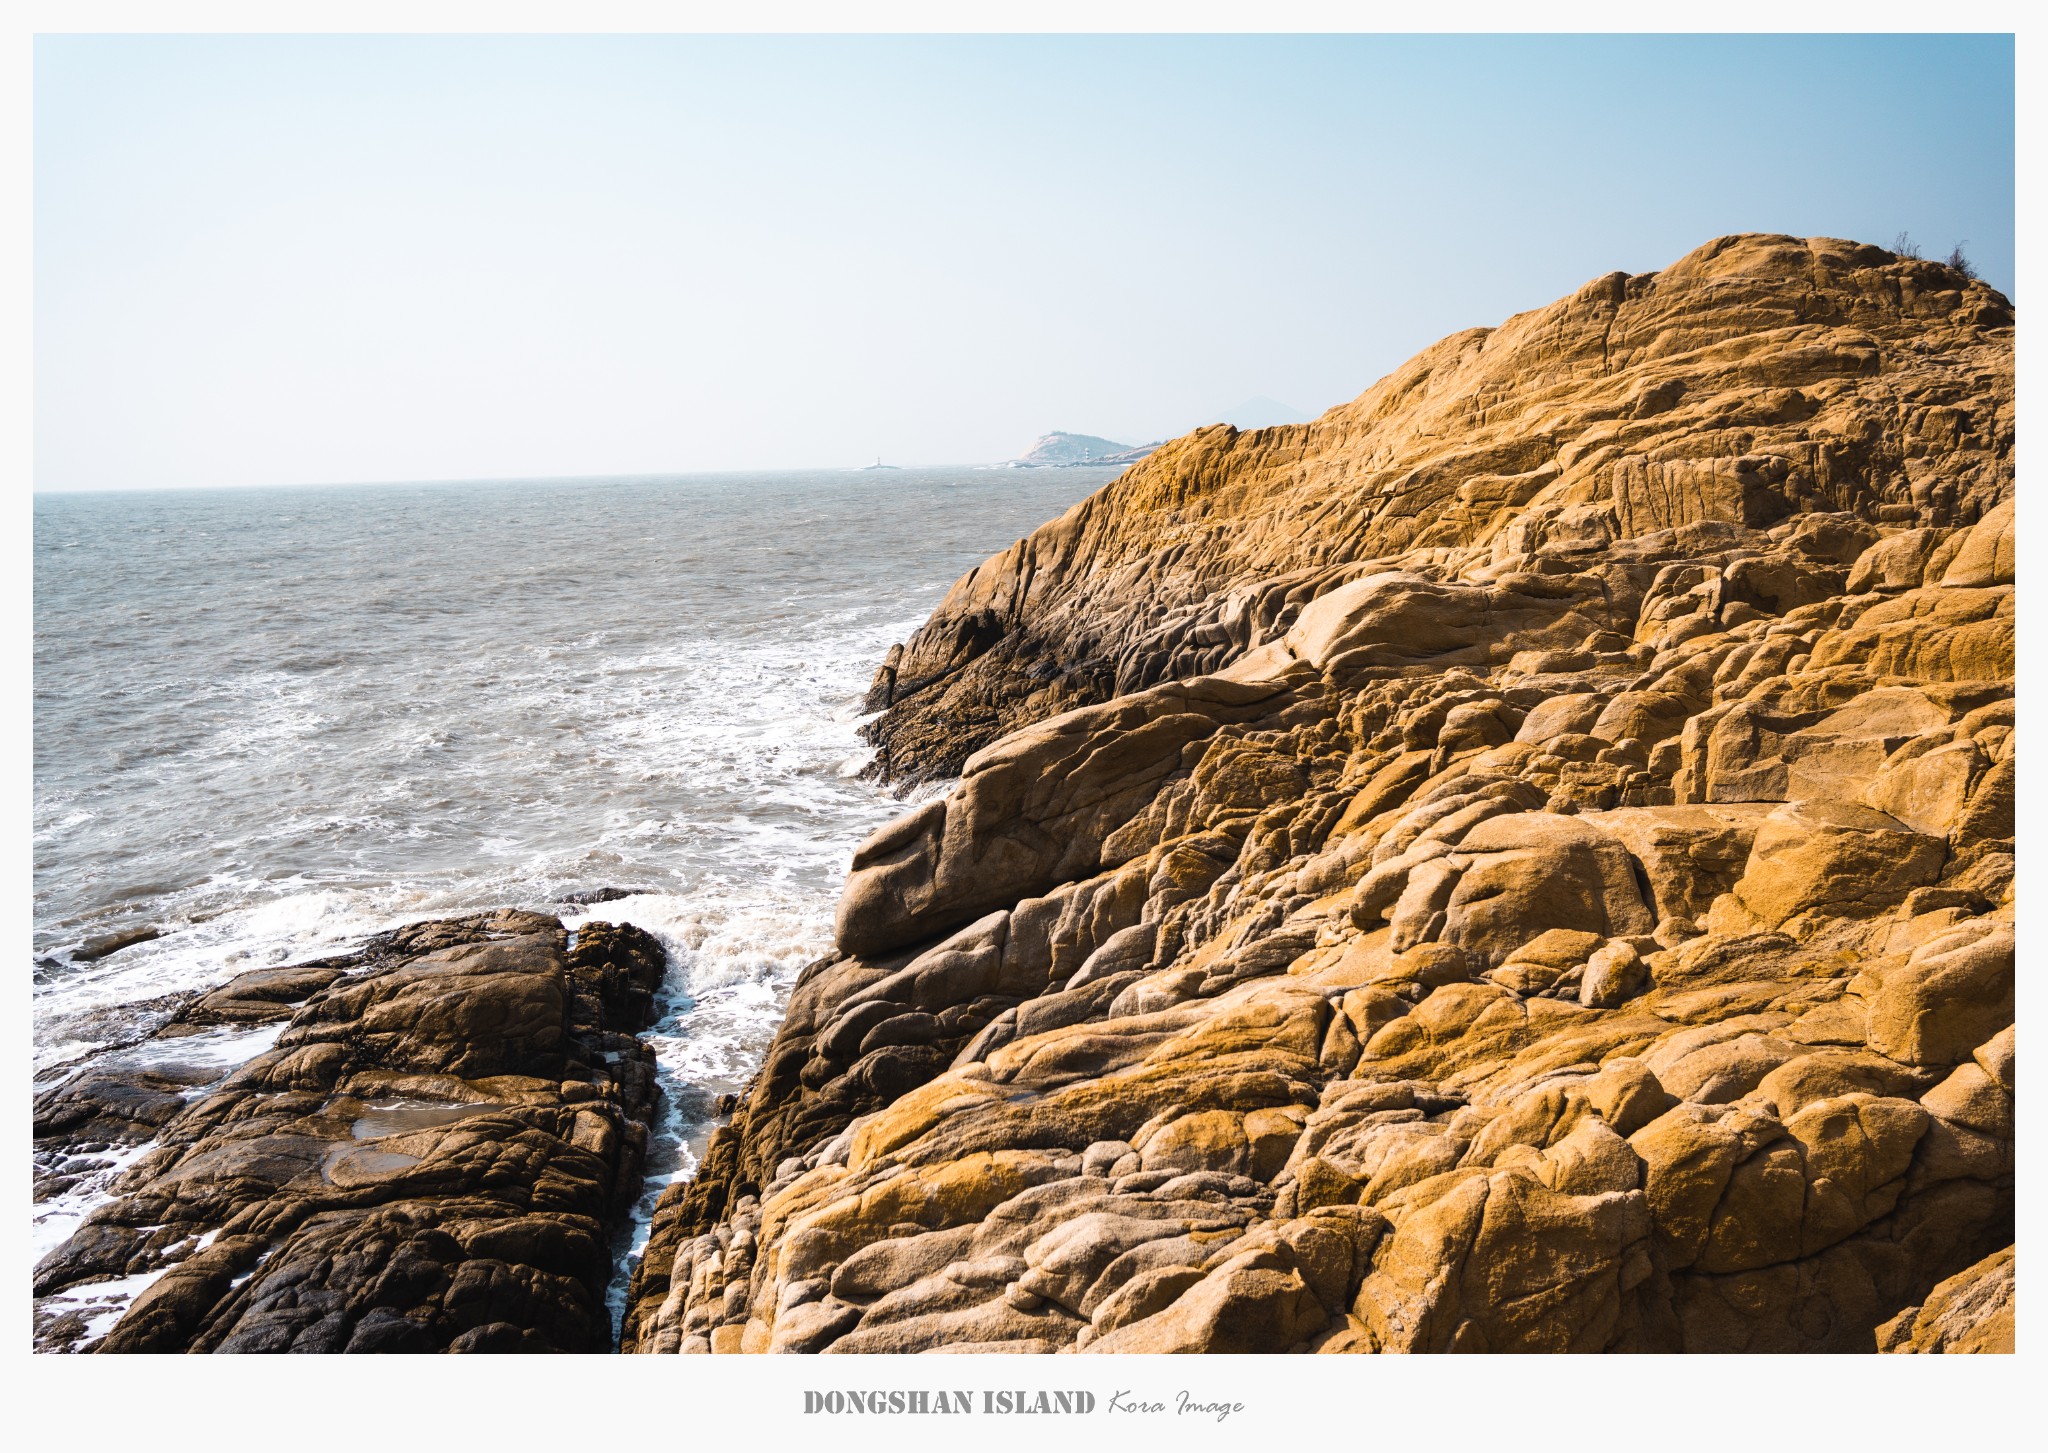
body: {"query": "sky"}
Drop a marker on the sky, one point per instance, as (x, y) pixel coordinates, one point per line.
(270, 260)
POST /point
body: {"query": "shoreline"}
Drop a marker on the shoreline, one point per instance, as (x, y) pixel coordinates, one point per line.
(1522, 863)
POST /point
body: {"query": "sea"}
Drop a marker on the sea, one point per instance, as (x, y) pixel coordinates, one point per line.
(271, 722)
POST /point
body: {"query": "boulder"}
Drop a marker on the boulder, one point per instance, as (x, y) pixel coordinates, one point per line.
(1030, 813)
(261, 995)
(1953, 993)
(1896, 562)
(1614, 974)
(1689, 855)
(1986, 555)
(1833, 859)
(1533, 871)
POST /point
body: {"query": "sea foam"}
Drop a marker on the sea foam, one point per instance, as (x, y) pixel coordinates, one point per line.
(270, 723)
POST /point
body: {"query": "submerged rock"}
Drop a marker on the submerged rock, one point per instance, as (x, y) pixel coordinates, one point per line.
(1522, 863)
(94, 949)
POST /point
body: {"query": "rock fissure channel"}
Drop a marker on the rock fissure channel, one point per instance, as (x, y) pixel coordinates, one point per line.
(1521, 863)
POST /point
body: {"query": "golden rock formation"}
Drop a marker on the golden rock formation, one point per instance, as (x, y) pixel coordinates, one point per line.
(1523, 862)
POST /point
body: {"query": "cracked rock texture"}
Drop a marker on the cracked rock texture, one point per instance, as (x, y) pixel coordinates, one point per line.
(1521, 863)
(433, 1157)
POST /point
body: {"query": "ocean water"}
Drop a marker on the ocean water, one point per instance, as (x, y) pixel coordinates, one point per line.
(270, 722)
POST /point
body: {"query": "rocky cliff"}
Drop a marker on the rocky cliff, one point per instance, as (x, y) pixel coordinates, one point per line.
(1523, 862)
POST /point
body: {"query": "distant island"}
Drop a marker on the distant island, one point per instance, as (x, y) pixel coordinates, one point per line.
(1059, 450)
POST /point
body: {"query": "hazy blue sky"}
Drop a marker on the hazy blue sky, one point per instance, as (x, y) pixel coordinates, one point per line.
(325, 259)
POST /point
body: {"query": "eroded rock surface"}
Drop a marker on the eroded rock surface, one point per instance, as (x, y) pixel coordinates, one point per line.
(1522, 863)
(1973, 1311)
(431, 1158)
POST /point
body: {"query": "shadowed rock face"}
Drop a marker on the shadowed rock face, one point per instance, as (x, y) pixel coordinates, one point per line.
(432, 1157)
(1522, 863)
(1973, 1311)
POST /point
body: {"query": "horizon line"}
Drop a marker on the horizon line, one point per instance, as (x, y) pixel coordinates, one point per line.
(609, 477)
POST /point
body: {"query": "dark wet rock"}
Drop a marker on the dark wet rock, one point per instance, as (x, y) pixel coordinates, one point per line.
(95, 949)
(111, 1027)
(437, 933)
(259, 996)
(622, 967)
(433, 1157)
(586, 897)
(109, 1106)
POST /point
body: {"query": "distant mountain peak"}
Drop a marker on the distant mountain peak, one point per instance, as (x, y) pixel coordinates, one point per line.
(1259, 412)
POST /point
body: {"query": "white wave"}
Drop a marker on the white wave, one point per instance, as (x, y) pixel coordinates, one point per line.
(473, 698)
(265, 933)
(222, 1050)
(51, 1222)
(61, 826)
(101, 1303)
